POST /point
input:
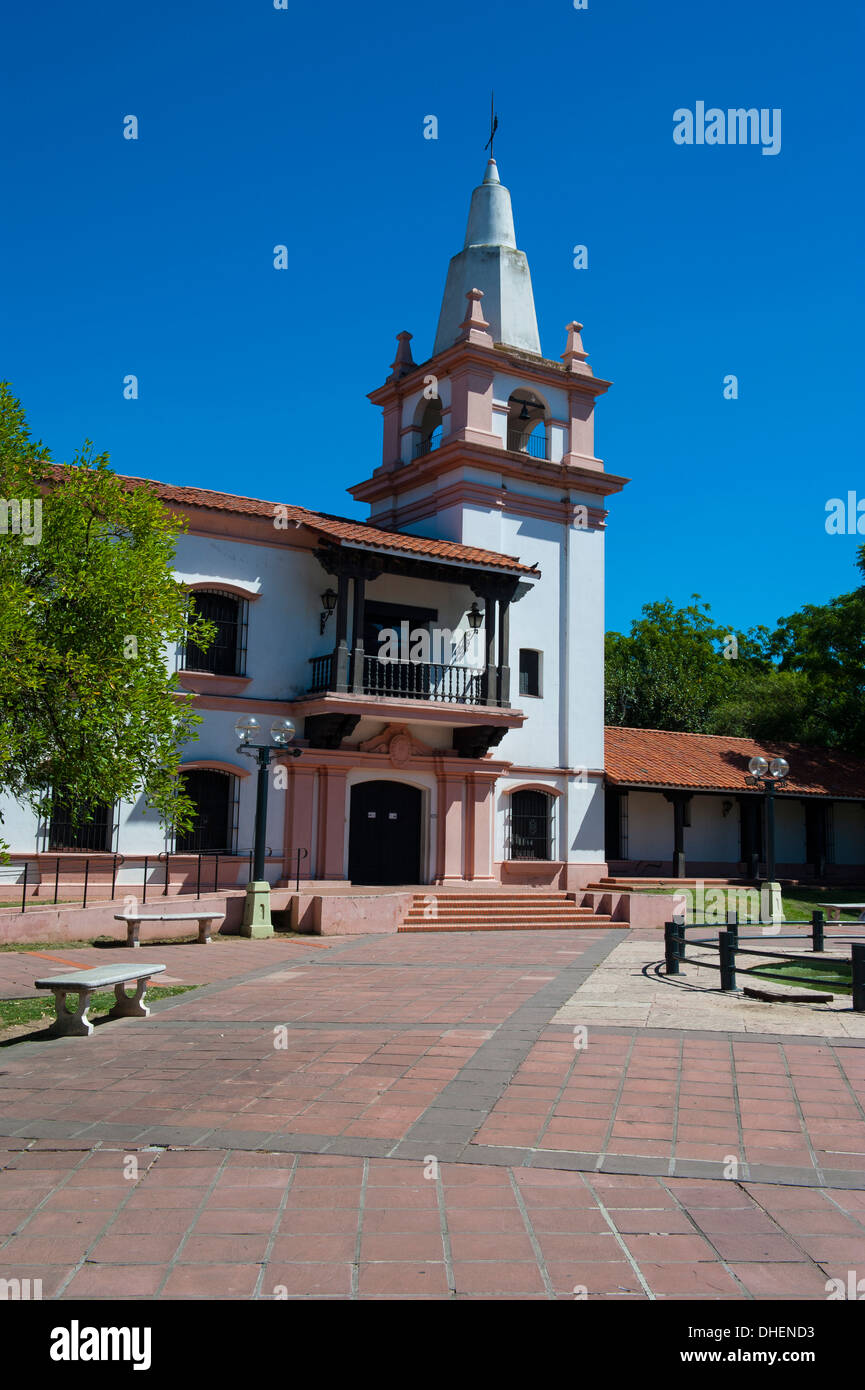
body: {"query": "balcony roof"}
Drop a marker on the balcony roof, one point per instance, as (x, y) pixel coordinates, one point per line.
(339, 529)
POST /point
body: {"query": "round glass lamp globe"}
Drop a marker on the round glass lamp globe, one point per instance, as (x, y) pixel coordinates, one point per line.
(282, 731)
(757, 767)
(246, 727)
(779, 767)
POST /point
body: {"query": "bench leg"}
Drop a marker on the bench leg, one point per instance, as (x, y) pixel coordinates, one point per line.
(204, 927)
(130, 1005)
(71, 1023)
(132, 930)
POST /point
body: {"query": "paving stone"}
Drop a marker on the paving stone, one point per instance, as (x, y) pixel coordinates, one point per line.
(402, 1047)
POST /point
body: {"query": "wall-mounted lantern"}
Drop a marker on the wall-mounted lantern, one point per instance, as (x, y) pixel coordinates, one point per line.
(328, 598)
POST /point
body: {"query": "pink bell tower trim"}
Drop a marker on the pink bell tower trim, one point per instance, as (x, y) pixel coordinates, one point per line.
(574, 356)
(474, 327)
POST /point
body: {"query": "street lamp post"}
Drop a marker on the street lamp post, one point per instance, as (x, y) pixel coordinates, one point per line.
(256, 909)
(769, 776)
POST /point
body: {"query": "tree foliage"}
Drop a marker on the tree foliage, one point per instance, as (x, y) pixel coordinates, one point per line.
(805, 682)
(88, 609)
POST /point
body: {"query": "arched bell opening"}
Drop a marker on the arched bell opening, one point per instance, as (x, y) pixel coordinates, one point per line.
(528, 424)
(429, 427)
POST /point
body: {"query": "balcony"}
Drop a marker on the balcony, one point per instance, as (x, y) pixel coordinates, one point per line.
(361, 678)
(346, 687)
(402, 680)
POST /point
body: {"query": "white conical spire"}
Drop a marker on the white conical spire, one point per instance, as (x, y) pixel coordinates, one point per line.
(491, 218)
(490, 261)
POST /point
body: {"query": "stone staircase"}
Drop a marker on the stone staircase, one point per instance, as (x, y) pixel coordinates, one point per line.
(623, 884)
(528, 911)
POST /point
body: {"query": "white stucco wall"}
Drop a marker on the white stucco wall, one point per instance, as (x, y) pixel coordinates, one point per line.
(711, 834)
(650, 826)
(789, 832)
(283, 630)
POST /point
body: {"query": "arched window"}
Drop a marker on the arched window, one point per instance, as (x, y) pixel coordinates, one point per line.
(215, 825)
(431, 429)
(527, 424)
(226, 655)
(531, 825)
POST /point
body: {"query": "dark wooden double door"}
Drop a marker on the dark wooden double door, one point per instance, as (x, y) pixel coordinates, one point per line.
(384, 833)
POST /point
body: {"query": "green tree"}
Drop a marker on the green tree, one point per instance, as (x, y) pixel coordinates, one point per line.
(764, 704)
(670, 671)
(825, 645)
(88, 607)
(804, 682)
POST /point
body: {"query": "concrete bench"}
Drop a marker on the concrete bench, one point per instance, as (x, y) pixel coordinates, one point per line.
(835, 909)
(204, 920)
(85, 983)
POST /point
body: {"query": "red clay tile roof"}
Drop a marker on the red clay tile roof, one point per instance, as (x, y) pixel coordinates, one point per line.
(658, 758)
(338, 528)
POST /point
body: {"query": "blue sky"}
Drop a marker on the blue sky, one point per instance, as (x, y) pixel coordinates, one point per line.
(305, 127)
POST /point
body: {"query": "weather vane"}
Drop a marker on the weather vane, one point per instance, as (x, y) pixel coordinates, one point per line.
(494, 124)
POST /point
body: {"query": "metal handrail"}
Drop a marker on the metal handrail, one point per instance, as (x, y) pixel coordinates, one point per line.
(301, 854)
(535, 445)
(117, 860)
(426, 446)
(166, 855)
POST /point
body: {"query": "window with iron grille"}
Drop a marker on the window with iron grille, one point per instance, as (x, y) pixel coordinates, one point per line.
(531, 830)
(226, 655)
(530, 672)
(214, 828)
(89, 825)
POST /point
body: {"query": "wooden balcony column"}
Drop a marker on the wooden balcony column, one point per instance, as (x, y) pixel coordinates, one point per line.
(489, 602)
(341, 635)
(345, 565)
(497, 592)
(504, 670)
(357, 626)
(681, 802)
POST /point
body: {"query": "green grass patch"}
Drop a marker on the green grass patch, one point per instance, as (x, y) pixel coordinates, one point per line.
(26, 946)
(832, 975)
(14, 1012)
(798, 903)
(107, 943)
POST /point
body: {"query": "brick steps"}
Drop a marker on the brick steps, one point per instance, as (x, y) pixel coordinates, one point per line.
(633, 885)
(596, 923)
(500, 912)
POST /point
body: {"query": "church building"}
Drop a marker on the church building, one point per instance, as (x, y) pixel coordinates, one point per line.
(442, 661)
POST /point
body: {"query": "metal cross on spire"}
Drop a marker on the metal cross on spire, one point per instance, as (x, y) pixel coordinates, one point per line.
(494, 124)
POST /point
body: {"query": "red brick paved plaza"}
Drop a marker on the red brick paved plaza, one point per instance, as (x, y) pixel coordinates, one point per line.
(283, 1121)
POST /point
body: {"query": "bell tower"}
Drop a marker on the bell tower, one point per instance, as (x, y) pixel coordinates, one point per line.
(487, 422)
(491, 444)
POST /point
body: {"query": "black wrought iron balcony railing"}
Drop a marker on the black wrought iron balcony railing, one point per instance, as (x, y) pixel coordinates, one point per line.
(403, 680)
(415, 680)
(322, 673)
(533, 444)
(426, 446)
